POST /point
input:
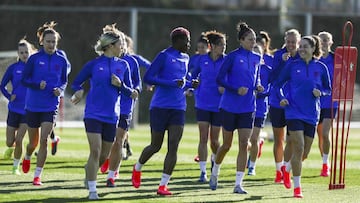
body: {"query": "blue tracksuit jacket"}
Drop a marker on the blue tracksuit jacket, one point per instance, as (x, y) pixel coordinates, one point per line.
(325, 101)
(262, 104)
(207, 95)
(302, 78)
(240, 69)
(50, 68)
(102, 101)
(14, 74)
(278, 65)
(126, 102)
(168, 66)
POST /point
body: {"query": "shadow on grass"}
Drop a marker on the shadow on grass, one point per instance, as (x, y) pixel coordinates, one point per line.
(58, 200)
(43, 187)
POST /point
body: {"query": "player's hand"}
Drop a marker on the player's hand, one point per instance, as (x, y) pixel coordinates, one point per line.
(221, 90)
(285, 56)
(12, 97)
(260, 88)
(316, 92)
(189, 92)
(243, 90)
(57, 91)
(115, 80)
(180, 82)
(284, 102)
(195, 83)
(150, 88)
(77, 96)
(134, 94)
(42, 84)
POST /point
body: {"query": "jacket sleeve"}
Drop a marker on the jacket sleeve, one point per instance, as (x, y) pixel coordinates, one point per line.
(64, 76)
(326, 82)
(194, 68)
(281, 80)
(264, 74)
(135, 77)
(151, 75)
(84, 75)
(258, 77)
(276, 66)
(27, 75)
(221, 78)
(5, 80)
(127, 84)
(143, 62)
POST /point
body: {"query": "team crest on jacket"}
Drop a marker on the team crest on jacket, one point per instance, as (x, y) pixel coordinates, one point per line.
(57, 67)
(118, 70)
(316, 74)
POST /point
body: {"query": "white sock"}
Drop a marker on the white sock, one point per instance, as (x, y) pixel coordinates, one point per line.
(16, 162)
(92, 185)
(288, 166)
(27, 157)
(216, 170)
(239, 178)
(164, 179)
(138, 166)
(38, 171)
(252, 164)
(278, 165)
(297, 180)
(213, 157)
(111, 174)
(325, 158)
(54, 139)
(202, 166)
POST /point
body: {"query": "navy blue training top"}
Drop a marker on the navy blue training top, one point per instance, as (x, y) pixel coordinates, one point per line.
(207, 95)
(240, 69)
(126, 102)
(277, 67)
(169, 66)
(14, 74)
(262, 103)
(325, 101)
(103, 97)
(302, 78)
(50, 68)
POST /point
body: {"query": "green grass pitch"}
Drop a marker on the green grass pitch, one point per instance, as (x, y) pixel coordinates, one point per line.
(63, 174)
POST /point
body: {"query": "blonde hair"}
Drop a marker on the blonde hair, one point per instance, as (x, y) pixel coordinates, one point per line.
(327, 34)
(293, 32)
(24, 43)
(129, 44)
(110, 35)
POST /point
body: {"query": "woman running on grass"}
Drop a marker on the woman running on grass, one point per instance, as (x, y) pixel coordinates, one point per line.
(207, 97)
(45, 76)
(238, 75)
(109, 76)
(309, 79)
(16, 122)
(167, 108)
